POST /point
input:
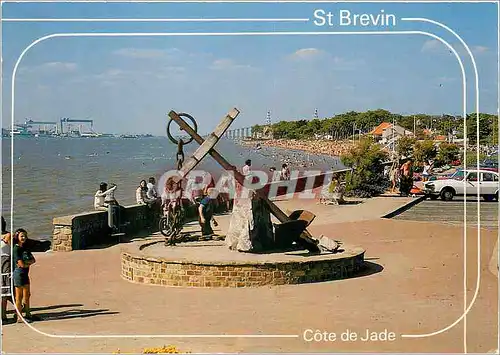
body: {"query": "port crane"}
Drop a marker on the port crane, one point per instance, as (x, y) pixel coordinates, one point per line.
(70, 120)
(52, 124)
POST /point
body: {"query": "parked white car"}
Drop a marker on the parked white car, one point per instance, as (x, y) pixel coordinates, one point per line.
(486, 180)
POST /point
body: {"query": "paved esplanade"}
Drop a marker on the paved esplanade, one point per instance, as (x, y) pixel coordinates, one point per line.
(415, 286)
(452, 212)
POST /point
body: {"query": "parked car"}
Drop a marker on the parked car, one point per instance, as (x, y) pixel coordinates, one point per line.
(489, 164)
(455, 185)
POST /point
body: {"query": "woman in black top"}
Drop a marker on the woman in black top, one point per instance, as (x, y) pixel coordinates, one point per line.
(6, 268)
(22, 260)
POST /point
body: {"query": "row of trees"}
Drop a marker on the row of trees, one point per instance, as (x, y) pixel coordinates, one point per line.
(425, 150)
(349, 123)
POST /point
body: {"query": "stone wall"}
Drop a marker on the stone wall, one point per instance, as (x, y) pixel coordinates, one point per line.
(84, 230)
(156, 271)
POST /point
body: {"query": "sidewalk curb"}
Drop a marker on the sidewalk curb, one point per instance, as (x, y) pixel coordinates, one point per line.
(405, 207)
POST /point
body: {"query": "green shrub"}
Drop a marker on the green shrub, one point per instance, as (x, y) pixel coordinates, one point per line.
(472, 158)
(367, 177)
(447, 153)
(424, 151)
(405, 146)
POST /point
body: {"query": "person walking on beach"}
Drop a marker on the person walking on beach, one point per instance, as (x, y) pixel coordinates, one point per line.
(247, 167)
(275, 176)
(285, 172)
(22, 260)
(6, 268)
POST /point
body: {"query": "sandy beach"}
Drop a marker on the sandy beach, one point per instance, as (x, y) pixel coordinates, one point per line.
(321, 147)
(415, 286)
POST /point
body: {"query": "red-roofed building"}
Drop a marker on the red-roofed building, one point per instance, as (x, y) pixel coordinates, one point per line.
(387, 131)
(379, 130)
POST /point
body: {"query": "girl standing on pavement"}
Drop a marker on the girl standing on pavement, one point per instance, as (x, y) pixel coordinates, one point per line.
(22, 260)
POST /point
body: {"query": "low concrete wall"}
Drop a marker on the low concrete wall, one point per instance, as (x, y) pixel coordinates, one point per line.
(81, 231)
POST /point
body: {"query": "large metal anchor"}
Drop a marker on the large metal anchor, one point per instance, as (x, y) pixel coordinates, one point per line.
(206, 147)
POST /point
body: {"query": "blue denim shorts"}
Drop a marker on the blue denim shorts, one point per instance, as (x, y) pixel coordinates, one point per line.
(21, 277)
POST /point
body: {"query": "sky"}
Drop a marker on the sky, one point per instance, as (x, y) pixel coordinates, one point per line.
(128, 84)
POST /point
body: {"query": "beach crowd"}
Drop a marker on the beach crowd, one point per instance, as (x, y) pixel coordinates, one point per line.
(323, 147)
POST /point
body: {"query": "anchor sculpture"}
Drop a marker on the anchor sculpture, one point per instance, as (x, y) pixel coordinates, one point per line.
(292, 229)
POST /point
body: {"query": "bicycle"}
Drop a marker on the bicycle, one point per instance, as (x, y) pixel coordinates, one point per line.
(172, 222)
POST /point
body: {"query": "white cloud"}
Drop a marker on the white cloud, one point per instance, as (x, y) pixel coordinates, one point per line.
(113, 75)
(335, 63)
(307, 53)
(435, 46)
(446, 79)
(51, 67)
(479, 49)
(432, 45)
(343, 64)
(146, 53)
(173, 69)
(228, 64)
(59, 66)
(343, 88)
(114, 72)
(169, 72)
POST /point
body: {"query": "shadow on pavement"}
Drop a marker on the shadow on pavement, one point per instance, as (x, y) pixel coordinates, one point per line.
(70, 313)
(369, 269)
(46, 308)
(122, 238)
(351, 202)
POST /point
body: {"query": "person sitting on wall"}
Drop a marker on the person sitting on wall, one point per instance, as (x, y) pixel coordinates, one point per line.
(141, 193)
(103, 195)
(105, 201)
(152, 195)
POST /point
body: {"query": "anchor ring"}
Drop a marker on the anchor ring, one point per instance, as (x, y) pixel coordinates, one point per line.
(193, 121)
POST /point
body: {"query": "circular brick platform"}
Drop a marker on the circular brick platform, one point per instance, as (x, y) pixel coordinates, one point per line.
(211, 264)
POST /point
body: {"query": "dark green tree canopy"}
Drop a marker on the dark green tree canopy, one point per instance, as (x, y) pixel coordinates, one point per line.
(344, 125)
